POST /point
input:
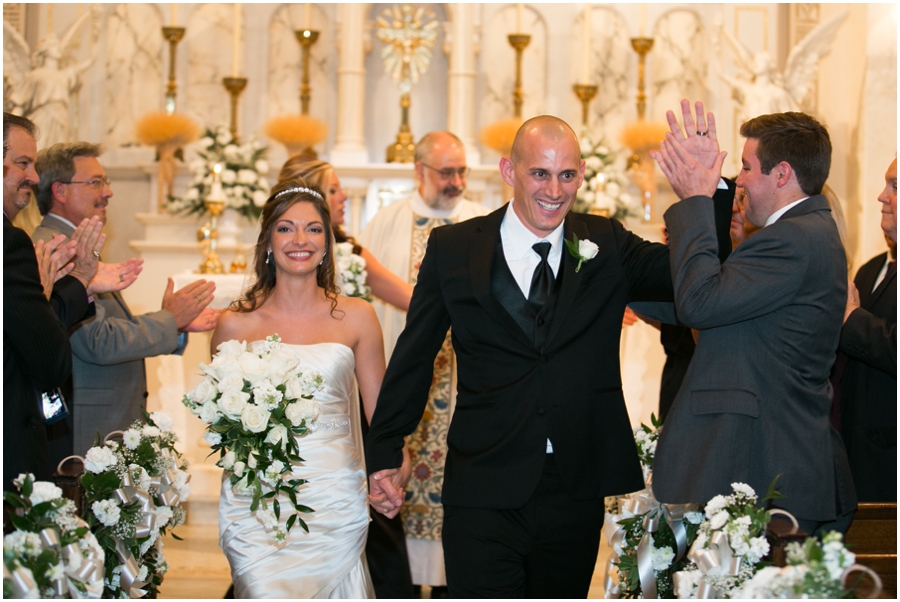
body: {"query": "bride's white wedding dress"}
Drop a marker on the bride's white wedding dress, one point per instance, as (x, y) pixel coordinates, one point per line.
(329, 561)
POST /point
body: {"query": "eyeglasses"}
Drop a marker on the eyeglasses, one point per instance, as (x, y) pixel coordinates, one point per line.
(447, 174)
(96, 183)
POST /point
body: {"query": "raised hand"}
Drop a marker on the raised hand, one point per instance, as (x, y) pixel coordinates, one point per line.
(53, 261)
(687, 177)
(115, 276)
(206, 320)
(88, 243)
(186, 303)
(698, 139)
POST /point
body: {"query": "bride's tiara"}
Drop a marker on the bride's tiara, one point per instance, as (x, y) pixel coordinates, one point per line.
(300, 189)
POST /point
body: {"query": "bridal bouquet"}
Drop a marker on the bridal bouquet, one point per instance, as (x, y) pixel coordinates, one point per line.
(133, 495)
(243, 175)
(353, 271)
(603, 190)
(52, 552)
(256, 400)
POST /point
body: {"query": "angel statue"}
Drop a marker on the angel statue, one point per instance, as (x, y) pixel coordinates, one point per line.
(42, 82)
(762, 89)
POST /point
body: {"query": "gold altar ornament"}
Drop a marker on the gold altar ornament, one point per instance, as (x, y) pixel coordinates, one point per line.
(173, 35)
(234, 85)
(215, 204)
(408, 34)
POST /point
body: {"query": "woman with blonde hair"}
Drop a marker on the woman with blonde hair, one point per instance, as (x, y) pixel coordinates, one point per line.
(385, 285)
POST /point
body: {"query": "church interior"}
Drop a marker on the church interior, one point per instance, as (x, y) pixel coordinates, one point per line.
(357, 84)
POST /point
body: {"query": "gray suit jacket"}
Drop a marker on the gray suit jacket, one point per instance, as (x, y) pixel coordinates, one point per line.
(756, 398)
(108, 376)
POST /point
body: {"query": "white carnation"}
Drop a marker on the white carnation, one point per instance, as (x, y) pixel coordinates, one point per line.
(150, 431)
(162, 420)
(43, 491)
(661, 558)
(695, 518)
(163, 516)
(718, 520)
(212, 438)
(744, 488)
(759, 547)
(99, 459)
(107, 512)
(715, 505)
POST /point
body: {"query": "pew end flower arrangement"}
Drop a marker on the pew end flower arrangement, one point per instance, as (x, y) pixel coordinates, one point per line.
(353, 272)
(256, 400)
(51, 553)
(134, 490)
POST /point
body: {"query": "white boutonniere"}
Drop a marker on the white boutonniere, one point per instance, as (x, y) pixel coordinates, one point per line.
(582, 250)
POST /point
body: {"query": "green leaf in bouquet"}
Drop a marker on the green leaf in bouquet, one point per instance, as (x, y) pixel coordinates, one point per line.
(251, 477)
(27, 487)
(13, 499)
(285, 423)
(302, 523)
(277, 508)
(290, 523)
(773, 493)
(255, 503)
(175, 537)
(293, 495)
(270, 495)
(302, 508)
(656, 422)
(19, 522)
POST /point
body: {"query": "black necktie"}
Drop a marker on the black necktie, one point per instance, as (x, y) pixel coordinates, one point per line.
(542, 280)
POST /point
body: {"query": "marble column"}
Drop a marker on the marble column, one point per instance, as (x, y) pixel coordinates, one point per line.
(350, 146)
(463, 46)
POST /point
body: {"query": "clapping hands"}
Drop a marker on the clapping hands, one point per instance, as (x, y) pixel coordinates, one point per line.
(690, 158)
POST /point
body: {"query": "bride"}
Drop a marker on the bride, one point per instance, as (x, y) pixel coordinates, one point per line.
(295, 296)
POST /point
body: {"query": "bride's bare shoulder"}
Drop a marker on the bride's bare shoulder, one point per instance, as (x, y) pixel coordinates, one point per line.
(232, 325)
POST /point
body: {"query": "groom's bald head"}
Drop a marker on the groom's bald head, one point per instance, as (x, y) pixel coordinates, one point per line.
(539, 130)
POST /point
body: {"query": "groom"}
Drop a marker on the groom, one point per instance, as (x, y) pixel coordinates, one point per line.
(541, 433)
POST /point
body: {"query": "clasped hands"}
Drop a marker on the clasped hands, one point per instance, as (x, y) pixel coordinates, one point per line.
(80, 258)
(386, 487)
(690, 158)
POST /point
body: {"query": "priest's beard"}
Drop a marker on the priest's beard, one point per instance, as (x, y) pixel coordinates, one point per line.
(447, 199)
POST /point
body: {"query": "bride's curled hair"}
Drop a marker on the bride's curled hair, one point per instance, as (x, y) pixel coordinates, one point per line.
(284, 195)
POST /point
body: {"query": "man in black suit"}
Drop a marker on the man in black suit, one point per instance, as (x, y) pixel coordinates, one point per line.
(868, 389)
(39, 306)
(541, 433)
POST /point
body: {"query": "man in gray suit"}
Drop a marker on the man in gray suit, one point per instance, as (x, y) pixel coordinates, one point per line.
(109, 384)
(756, 398)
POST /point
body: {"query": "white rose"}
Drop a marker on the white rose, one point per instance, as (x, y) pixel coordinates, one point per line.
(251, 459)
(259, 198)
(587, 249)
(302, 409)
(227, 461)
(262, 166)
(238, 468)
(162, 420)
(221, 366)
(209, 412)
(232, 382)
(281, 361)
(233, 348)
(205, 391)
(43, 491)
(278, 436)
(718, 520)
(232, 403)
(150, 431)
(254, 418)
(252, 367)
(99, 459)
(131, 438)
(212, 438)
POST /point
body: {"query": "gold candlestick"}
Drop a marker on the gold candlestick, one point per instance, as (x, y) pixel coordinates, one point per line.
(234, 85)
(519, 41)
(306, 38)
(173, 35)
(585, 93)
(211, 262)
(403, 149)
(642, 46)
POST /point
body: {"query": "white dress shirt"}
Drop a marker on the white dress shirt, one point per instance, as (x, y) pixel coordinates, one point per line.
(517, 241)
(777, 215)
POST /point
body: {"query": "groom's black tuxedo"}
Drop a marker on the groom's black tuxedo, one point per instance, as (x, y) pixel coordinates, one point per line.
(516, 388)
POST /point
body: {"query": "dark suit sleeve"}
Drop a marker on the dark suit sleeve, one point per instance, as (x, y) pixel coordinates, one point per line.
(38, 339)
(871, 340)
(69, 301)
(723, 200)
(404, 391)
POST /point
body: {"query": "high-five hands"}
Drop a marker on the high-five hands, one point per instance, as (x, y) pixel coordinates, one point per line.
(386, 487)
(690, 158)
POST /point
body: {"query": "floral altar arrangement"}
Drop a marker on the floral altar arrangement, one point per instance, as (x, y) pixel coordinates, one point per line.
(256, 399)
(133, 495)
(52, 552)
(603, 190)
(353, 272)
(243, 170)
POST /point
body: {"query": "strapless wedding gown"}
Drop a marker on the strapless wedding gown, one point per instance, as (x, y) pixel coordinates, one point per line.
(329, 561)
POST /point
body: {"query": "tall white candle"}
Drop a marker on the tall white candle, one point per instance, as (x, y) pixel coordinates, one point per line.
(586, 47)
(519, 18)
(174, 15)
(236, 42)
(307, 16)
(643, 18)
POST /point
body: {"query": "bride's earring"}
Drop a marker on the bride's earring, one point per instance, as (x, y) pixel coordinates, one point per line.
(323, 257)
(269, 258)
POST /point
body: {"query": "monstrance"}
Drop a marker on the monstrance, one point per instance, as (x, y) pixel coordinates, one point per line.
(408, 34)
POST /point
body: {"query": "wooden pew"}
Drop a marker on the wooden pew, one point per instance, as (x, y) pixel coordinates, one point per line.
(873, 538)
